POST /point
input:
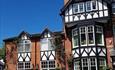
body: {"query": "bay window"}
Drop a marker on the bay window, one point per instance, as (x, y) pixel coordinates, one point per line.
(87, 36)
(99, 35)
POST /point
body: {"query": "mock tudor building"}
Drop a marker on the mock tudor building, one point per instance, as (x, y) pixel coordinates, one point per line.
(33, 51)
(84, 44)
(89, 26)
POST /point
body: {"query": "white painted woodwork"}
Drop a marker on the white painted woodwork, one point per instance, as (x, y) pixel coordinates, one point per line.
(84, 54)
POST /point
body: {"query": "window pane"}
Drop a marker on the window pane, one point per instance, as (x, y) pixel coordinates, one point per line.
(75, 40)
(93, 5)
(81, 7)
(102, 63)
(85, 64)
(75, 8)
(83, 35)
(99, 38)
(90, 35)
(76, 65)
(99, 35)
(27, 47)
(75, 37)
(20, 47)
(88, 6)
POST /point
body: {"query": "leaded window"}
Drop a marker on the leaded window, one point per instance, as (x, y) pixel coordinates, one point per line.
(89, 64)
(84, 64)
(81, 7)
(76, 65)
(24, 65)
(75, 38)
(93, 63)
(75, 8)
(48, 65)
(90, 34)
(88, 6)
(83, 36)
(102, 63)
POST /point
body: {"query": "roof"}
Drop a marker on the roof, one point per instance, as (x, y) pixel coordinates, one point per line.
(37, 35)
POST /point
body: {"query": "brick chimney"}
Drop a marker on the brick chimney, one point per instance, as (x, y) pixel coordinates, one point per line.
(65, 1)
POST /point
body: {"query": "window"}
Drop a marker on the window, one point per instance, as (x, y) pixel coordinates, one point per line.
(102, 63)
(87, 35)
(75, 8)
(99, 35)
(88, 6)
(76, 65)
(45, 65)
(89, 64)
(24, 65)
(83, 36)
(81, 7)
(24, 46)
(91, 38)
(84, 64)
(75, 38)
(94, 5)
(46, 44)
(93, 63)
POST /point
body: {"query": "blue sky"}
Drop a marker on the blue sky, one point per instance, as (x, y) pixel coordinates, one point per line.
(29, 15)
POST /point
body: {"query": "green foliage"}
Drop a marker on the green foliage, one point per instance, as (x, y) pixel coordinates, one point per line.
(2, 53)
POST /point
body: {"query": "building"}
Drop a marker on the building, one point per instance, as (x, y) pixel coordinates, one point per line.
(84, 44)
(89, 27)
(33, 51)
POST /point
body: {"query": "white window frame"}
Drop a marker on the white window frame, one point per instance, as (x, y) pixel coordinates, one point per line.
(73, 38)
(89, 63)
(76, 65)
(23, 45)
(88, 36)
(74, 8)
(79, 7)
(102, 36)
(92, 5)
(85, 35)
(87, 6)
(48, 67)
